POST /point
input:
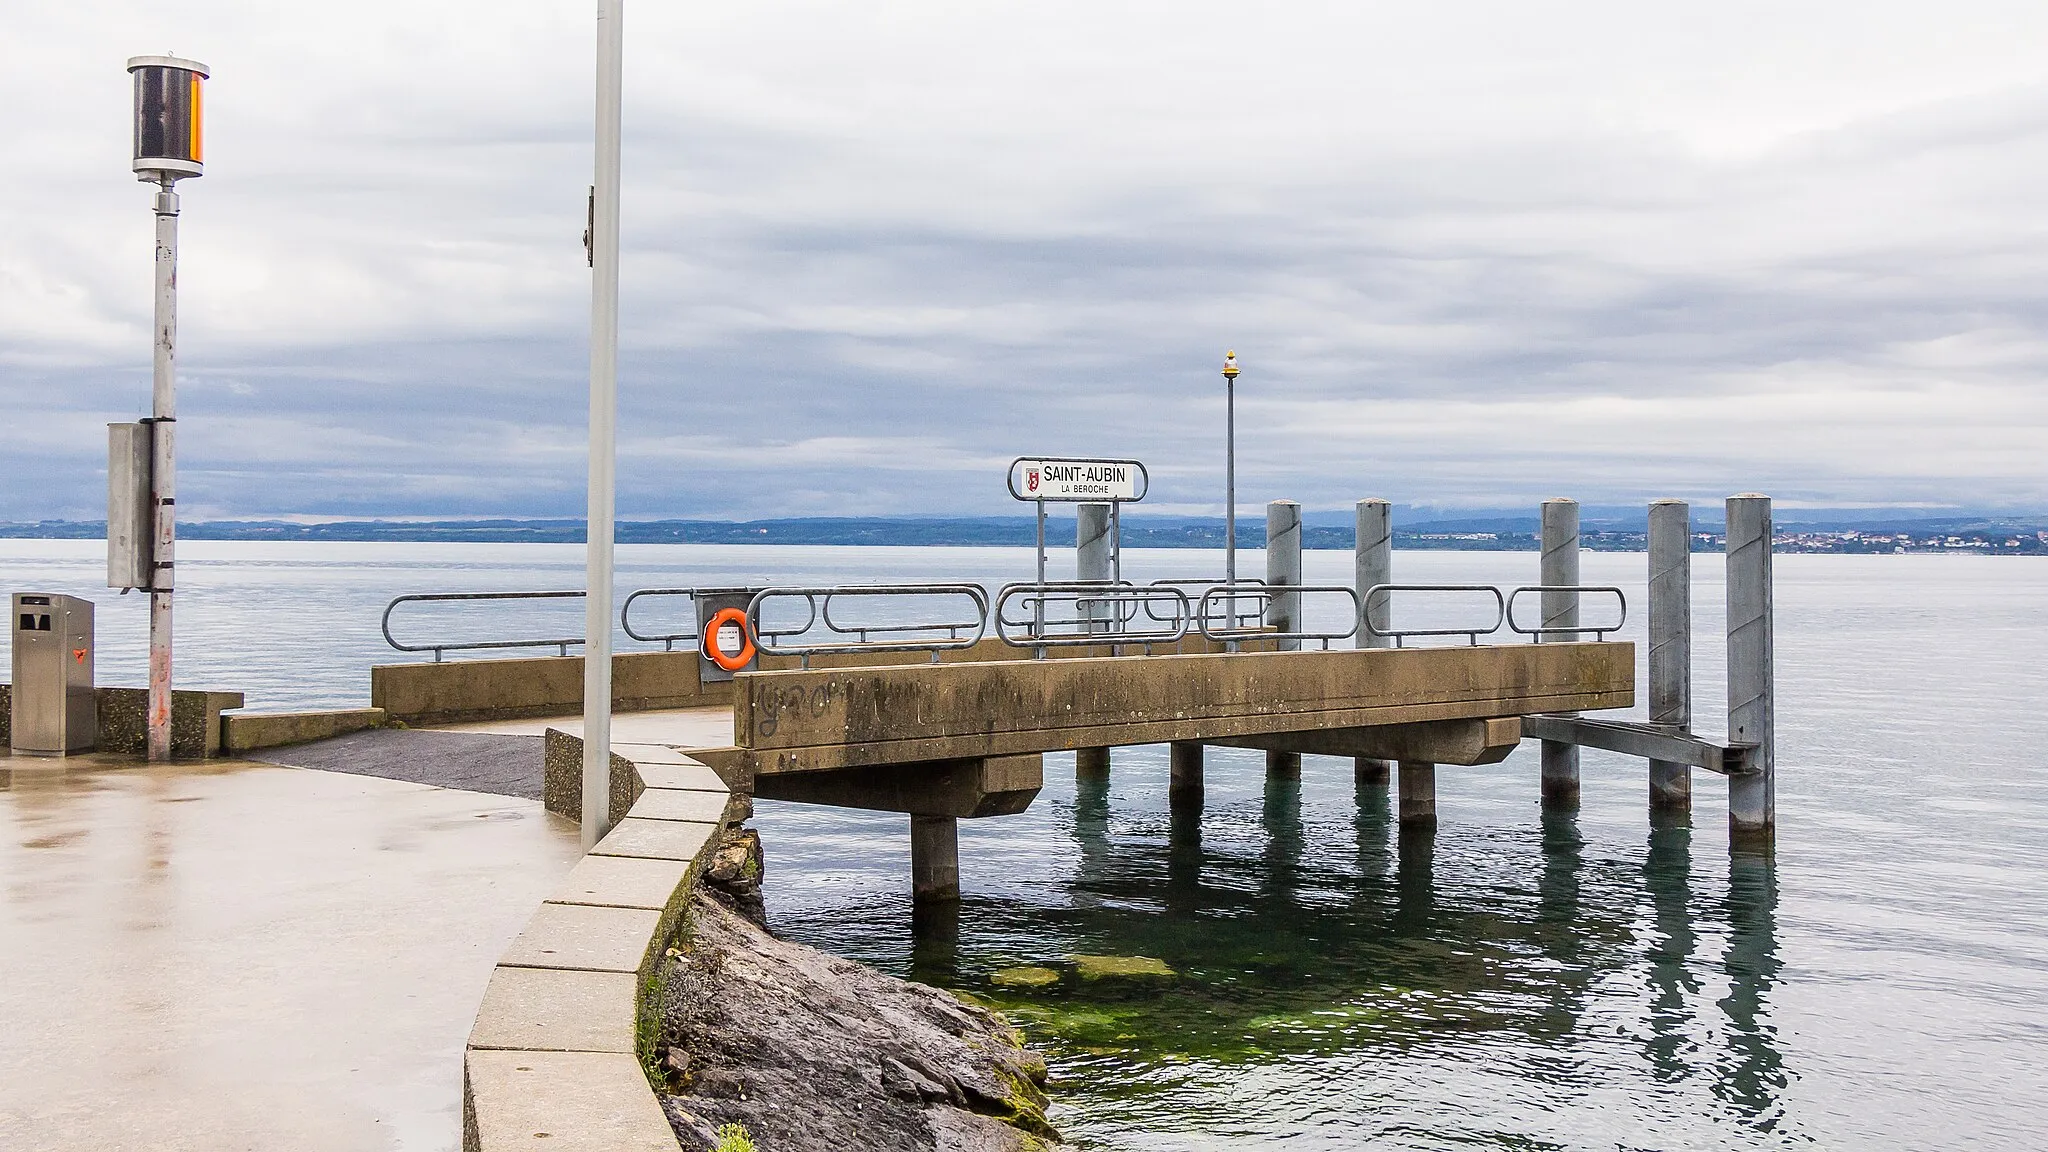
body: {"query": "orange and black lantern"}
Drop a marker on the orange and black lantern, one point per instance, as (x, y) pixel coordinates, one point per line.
(168, 134)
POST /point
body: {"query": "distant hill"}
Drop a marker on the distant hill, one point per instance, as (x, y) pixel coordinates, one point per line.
(2003, 535)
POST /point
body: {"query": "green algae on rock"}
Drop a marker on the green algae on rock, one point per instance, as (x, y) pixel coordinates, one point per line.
(1029, 976)
(1122, 968)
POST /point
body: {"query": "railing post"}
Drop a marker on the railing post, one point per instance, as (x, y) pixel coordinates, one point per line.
(1670, 629)
(1373, 563)
(1283, 609)
(1091, 562)
(1560, 566)
(1753, 797)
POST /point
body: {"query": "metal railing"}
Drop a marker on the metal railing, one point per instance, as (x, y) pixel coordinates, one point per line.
(961, 631)
(1230, 617)
(667, 639)
(1599, 631)
(1383, 595)
(1265, 595)
(1102, 613)
(560, 643)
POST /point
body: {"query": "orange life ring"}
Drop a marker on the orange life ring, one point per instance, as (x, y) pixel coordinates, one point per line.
(715, 653)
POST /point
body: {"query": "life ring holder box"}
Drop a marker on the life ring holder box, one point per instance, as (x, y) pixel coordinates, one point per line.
(709, 603)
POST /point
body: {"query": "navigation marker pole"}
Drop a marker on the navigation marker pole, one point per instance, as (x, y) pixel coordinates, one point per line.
(604, 405)
(168, 139)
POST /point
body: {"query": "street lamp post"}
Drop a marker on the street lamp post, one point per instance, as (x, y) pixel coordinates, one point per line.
(168, 137)
(1230, 472)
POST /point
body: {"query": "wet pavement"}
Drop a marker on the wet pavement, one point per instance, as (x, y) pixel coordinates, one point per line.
(232, 955)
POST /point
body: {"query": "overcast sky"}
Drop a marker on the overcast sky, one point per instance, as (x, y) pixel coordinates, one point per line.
(1469, 254)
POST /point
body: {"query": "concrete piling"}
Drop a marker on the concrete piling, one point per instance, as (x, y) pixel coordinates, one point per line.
(1092, 562)
(1670, 634)
(1752, 797)
(1560, 567)
(1184, 779)
(1283, 609)
(1418, 793)
(1373, 565)
(934, 858)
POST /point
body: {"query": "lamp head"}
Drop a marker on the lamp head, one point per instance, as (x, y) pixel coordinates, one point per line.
(1230, 365)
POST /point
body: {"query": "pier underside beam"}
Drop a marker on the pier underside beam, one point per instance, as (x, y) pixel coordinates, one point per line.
(956, 789)
(1485, 741)
(806, 721)
(1657, 743)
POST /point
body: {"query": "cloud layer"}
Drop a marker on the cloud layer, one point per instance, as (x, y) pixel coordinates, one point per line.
(1477, 254)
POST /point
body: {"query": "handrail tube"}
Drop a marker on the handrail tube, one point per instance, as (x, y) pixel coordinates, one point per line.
(767, 640)
(1500, 608)
(667, 639)
(1034, 594)
(477, 645)
(1232, 634)
(1252, 584)
(1539, 632)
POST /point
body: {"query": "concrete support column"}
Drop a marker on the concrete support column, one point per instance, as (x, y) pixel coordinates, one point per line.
(1283, 569)
(1092, 556)
(1283, 609)
(1560, 566)
(1670, 628)
(1373, 565)
(1418, 792)
(1753, 797)
(934, 858)
(1092, 562)
(1091, 763)
(1184, 781)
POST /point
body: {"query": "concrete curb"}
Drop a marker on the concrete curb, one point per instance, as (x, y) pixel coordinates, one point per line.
(251, 731)
(553, 1061)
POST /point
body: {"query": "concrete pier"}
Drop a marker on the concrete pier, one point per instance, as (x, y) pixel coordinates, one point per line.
(1752, 796)
(934, 858)
(1373, 565)
(1092, 562)
(1670, 644)
(1560, 567)
(1283, 609)
(1418, 793)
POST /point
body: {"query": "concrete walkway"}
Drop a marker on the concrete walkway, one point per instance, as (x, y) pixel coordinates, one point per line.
(676, 727)
(247, 956)
(472, 761)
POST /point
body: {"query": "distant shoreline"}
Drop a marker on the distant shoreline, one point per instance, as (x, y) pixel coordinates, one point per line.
(1955, 537)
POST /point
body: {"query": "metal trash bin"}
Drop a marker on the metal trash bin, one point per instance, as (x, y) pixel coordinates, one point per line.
(709, 602)
(55, 709)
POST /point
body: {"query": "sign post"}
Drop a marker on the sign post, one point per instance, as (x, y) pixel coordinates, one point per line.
(1056, 479)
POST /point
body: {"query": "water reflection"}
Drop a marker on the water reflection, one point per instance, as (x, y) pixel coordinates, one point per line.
(1315, 939)
(1750, 1074)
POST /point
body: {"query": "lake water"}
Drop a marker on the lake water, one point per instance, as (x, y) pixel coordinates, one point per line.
(1516, 981)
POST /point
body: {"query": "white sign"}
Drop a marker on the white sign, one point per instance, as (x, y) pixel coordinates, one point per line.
(1077, 480)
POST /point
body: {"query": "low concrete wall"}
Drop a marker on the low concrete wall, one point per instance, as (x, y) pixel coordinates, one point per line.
(124, 721)
(248, 731)
(459, 690)
(556, 1059)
